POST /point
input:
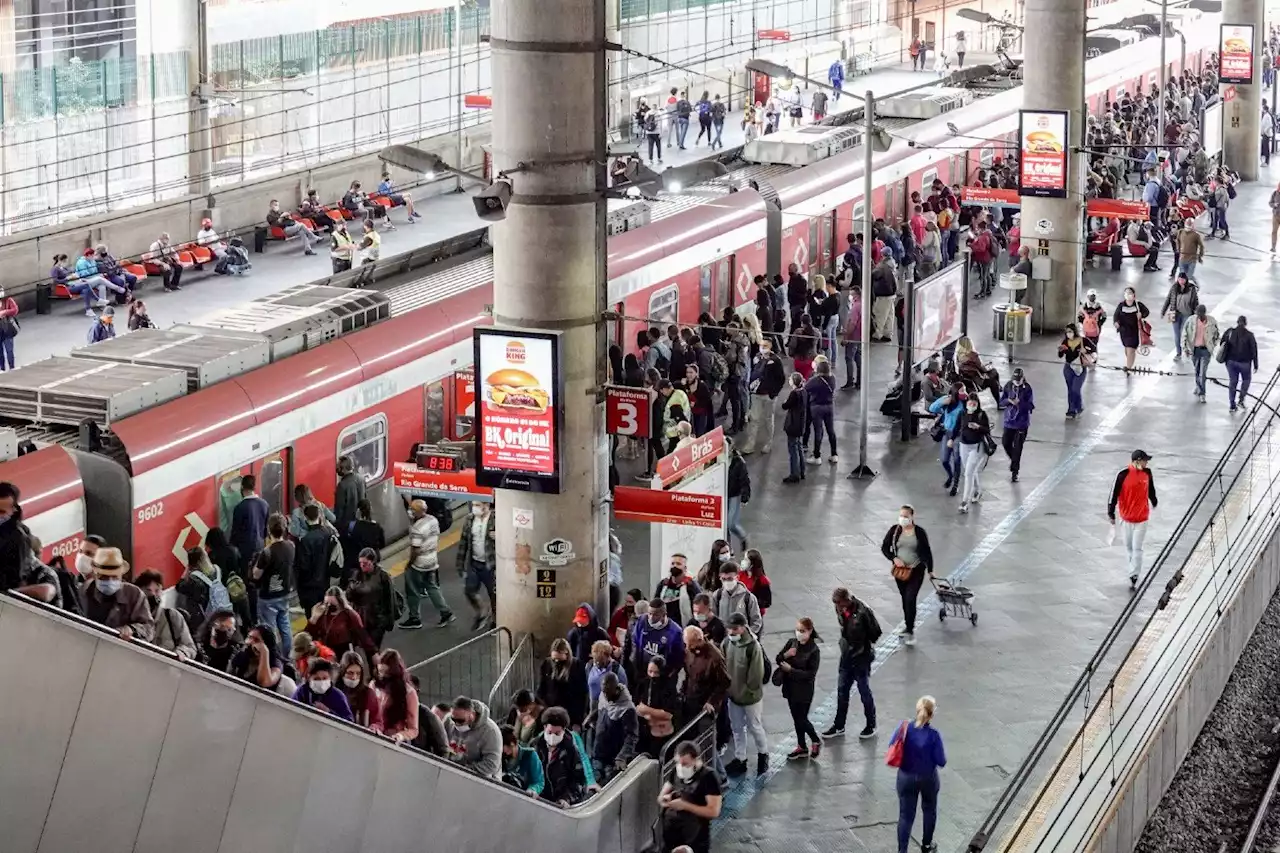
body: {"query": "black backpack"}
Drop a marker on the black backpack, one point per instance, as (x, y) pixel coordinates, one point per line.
(67, 586)
(1162, 196)
(1231, 191)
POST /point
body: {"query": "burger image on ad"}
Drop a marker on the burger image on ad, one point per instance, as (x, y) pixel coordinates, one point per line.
(517, 389)
(1235, 45)
(1043, 142)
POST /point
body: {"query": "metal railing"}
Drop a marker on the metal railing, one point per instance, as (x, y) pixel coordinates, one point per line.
(1242, 485)
(521, 672)
(468, 669)
(702, 731)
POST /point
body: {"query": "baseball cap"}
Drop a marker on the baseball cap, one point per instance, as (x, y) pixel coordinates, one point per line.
(1140, 456)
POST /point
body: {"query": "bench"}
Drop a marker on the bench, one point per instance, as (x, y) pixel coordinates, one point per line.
(60, 291)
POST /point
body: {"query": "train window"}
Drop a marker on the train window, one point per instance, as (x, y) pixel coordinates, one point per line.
(366, 444)
(890, 199)
(815, 239)
(435, 412)
(986, 156)
(724, 275)
(664, 306)
(926, 182)
(704, 288)
(859, 213)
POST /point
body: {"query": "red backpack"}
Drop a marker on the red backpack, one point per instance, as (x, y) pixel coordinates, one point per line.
(981, 247)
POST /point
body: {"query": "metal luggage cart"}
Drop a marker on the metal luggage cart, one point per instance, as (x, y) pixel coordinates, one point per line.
(955, 601)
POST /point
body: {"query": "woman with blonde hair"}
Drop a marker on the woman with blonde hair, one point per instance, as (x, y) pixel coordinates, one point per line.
(922, 755)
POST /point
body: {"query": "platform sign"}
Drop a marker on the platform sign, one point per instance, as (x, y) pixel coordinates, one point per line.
(773, 35)
(520, 393)
(634, 503)
(698, 473)
(985, 196)
(452, 485)
(701, 450)
(627, 411)
(938, 318)
(1043, 137)
(477, 102)
(1235, 54)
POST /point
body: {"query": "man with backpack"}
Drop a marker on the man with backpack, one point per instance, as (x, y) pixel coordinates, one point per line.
(704, 118)
(1142, 235)
(859, 631)
(982, 249)
(717, 122)
(684, 110)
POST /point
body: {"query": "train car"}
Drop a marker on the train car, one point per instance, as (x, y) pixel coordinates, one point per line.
(174, 470)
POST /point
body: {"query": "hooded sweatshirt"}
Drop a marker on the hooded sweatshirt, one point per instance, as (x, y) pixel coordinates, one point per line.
(745, 661)
(479, 747)
(617, 727)
(581, 638)
(741, 600)
(596, 674)
(527, 767)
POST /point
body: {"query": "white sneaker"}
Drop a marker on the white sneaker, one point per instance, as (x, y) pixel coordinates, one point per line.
(977, 497)
(834, 459)
(964, 506)
(89, 312)
(815, 459)
(909, 639)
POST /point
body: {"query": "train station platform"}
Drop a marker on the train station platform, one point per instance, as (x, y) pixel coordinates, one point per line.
(1048, 585)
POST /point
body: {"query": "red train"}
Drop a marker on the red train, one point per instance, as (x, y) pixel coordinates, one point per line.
(373, 394)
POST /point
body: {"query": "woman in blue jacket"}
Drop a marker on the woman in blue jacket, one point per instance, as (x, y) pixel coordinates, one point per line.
(922, 755)
(948, 408)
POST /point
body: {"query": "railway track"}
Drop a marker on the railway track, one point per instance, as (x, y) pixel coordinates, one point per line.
(1264, 831)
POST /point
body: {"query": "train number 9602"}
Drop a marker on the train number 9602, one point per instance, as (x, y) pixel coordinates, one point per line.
(151, 511)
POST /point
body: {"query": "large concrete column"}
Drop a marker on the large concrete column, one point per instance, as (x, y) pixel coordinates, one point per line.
(1241, 126)
(1054, 80)
(199, 137)
(549, 121)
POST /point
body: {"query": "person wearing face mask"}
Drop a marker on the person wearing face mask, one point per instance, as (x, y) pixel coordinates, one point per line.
(1200, 338)
(690, 801)
(15, 541)
(677, 589)
(521, 766)
(602, 664)
(859, 631)
(948, 409)
(336, 624)
(621, 622)
(1180, 306)
(704, 616)
(795, 409)
(657, 635)
(111, 601)
(751, 575)
(585, 633)
(478, 562)
(1091, 317)
(317, 557)
(567, 771)
(617, 730)
(258, 662)
(360, 694)
(562, 682)
(733, 597)
(1129, 316)
(972, 434)
(798, 664)
(8, 330)
(475, 742)
(744, 658)
(1019, 401)
(1240, 355)
(657, 706)
(218, 641)
(171, 632)
(709, 574)
(89, 546)
(1133, 496)
(1078, 355)
(373, 597)
(422, 576)
(318, 692)
(922, 756)
(906, 546)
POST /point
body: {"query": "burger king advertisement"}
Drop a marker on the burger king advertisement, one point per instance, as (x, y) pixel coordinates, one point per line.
(518, 388)
(1043, 165)
(1235, 52)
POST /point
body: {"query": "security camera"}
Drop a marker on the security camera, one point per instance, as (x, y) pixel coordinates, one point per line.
(491, 202)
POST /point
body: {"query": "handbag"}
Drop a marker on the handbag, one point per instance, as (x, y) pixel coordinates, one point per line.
(901, 573)
(893, 757)
(989, 445)
(9, 327)
(938, 431)
(1221, 355)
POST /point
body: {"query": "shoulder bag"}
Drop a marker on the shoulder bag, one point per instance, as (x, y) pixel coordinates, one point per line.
(893, 757)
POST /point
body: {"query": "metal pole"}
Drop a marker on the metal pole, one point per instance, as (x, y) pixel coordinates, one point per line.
(864, 395)
(1163, 77)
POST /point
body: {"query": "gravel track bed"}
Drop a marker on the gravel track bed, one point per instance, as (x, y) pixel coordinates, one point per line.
(1216, 791)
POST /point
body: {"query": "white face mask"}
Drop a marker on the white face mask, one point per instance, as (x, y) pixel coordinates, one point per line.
(1071, 335)
(84, 564)
(702, 617)
(553, 739)
(319, 686)
(109, 586)
(802, 636)
(685, 771)
(971, 407)
(904, 520)
(353, 683)
(726, 556)
(730, 586)
(477, 511)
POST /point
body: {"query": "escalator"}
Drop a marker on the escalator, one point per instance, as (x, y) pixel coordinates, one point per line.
(117, 747)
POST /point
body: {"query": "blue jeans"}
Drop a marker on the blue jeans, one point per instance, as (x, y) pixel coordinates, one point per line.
(795, 452)
(829, 333)
(6, 354)
(718, 126)
(682, 130)
(734, 526)
(852, 361)
(913, 786)
(480, 575)
(950, 459)
(1200, 358)
(275, 611)
(1188, 267)
(1240, 372)
(1075, 388)
(854, 671)
(1178, 322)
(822, 417)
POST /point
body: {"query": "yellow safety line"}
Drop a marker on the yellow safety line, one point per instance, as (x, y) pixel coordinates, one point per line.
(447, 541)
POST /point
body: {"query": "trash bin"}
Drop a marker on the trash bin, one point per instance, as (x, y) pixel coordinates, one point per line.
(44, 297)
(1011, 323)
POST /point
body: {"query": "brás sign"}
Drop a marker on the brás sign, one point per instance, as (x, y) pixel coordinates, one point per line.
(1042, 169)
(518, 397)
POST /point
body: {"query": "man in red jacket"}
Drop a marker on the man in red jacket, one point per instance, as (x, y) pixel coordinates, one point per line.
(1133, 497)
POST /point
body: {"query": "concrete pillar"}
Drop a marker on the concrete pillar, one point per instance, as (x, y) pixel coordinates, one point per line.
(199, 137)
(1054, 80)
(549, 121)
(1241, 126)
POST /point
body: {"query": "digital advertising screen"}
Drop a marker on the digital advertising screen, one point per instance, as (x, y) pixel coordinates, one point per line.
(519, 391)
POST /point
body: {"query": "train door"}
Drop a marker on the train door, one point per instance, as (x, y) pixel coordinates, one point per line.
(664, 306)
(462, 425)
(930, 33)
(822, 243)
(706, 281)
(890, 205)
(272, 475)
(958, 175)
(725, 276)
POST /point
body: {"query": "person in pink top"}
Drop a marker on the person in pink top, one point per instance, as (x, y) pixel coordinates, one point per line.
(397, 700)
(8, 330)
(853, 339)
